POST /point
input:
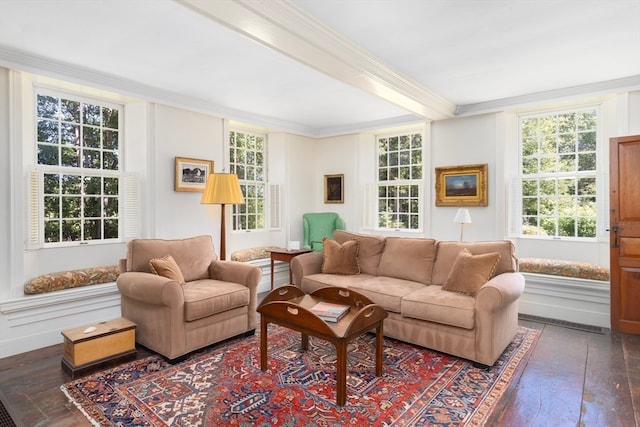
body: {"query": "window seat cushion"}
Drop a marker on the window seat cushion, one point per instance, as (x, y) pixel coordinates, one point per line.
(72, 279)
(250, 254)
(556, 267)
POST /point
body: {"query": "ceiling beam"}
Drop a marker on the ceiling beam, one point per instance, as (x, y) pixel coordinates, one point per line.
(281, 26)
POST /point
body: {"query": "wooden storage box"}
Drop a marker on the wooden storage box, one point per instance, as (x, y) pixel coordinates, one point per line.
(114, 340)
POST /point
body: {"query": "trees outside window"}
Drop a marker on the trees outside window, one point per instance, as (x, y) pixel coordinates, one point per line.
(400, 181)
(247, 160)
(78, 147)
(558, 173)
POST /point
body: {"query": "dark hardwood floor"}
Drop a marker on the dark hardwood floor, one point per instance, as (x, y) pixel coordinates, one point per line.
(573, 378)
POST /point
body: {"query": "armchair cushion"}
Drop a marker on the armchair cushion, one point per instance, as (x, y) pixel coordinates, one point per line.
(204, 298)
(166, 267)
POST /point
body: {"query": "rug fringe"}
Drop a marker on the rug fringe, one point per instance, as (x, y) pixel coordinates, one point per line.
(93, 421)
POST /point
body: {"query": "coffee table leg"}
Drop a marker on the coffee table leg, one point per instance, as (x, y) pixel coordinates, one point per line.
(341, 373)
(263, 344)
(305, 341)
(379, 350)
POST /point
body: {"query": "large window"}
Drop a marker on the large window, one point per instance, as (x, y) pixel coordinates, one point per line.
(78, 144)
(400, 181)
(247, 160)
(558, 173)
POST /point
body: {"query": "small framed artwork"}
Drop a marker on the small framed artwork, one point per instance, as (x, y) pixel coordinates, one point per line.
(191, 174)
(462, 186)
(334, 188)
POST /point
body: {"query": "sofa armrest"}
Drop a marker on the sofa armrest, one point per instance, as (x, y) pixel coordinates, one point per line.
(243, 273)
(500, 291)
(305, 265)
(150, 288)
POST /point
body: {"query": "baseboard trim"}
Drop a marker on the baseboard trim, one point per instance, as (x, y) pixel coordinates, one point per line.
(563, 323)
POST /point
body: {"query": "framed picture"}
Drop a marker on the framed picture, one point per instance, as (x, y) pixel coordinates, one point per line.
(462, 185)
(191, 174)
(334, 188)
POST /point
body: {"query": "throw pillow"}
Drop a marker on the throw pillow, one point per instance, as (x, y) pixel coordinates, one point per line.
(340, 258)
(167, 267)
(470, 272)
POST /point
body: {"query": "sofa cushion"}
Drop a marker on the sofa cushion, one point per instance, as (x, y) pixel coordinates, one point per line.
(408, 258)
(203, 298)
(193, 255)
(369, 252)
(313, 282)
(386, 291)
(446, 253)
(470, 272)
(433, 304)
(166, 267)
(340, 258)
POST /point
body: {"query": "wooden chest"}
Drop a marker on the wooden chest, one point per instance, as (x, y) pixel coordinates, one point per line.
(112, 341)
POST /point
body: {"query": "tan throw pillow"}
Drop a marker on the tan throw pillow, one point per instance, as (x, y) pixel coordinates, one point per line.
(166, 267)
(470, 272)
(340, 258)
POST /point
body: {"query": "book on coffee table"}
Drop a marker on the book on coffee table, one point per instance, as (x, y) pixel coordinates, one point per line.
(330, 312)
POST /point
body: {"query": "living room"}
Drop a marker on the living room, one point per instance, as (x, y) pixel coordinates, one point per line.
(160, 124)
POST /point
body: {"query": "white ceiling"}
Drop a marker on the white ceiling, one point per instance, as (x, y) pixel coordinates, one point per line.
(326, 67)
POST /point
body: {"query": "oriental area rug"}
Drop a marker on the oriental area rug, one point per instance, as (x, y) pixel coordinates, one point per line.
(223, 385)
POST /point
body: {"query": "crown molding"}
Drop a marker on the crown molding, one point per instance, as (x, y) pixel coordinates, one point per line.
(20, 60)
(591, 89)
(281, 26)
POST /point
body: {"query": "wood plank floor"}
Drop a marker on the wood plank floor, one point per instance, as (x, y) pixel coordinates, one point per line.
(573, 378)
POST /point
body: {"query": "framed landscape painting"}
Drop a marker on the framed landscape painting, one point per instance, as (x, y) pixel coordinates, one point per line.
(462, 186)
(192, 174)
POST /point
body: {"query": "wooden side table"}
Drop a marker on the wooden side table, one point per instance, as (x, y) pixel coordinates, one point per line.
(286, 256)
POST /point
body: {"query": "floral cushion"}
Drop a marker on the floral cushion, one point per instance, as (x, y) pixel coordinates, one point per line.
(556, 267)
(251, 254)
(72, 279)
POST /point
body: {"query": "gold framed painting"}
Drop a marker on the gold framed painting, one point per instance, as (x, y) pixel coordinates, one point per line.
(462, 186)
(191, 174)
(334, 188)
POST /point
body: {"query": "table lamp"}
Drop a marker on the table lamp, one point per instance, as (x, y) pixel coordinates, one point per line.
(463, 217)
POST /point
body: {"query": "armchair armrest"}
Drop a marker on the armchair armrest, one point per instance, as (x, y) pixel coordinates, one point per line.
(500, 291)
(150, 289)
(305, 265)
(237, 272)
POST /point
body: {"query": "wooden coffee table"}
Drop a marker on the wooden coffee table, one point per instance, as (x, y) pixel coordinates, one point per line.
(288, 306)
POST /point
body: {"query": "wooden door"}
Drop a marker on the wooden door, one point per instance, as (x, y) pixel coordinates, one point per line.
(624, 164)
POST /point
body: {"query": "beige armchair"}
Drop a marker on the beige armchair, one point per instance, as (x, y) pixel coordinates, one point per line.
(216, 301)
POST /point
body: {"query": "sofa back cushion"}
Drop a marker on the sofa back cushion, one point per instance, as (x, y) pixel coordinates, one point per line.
(369, 250)
(408, 259)
(193, 255)
(447, 252)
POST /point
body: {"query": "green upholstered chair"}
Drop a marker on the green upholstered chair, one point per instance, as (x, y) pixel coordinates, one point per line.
(315, 226)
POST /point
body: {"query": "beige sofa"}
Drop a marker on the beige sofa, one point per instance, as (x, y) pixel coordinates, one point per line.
(192, 301)
(406, 277)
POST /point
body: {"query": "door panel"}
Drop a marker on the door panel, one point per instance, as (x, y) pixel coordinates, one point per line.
(624, 191)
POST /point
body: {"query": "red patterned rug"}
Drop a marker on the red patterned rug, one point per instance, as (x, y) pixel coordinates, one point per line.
(223, 386)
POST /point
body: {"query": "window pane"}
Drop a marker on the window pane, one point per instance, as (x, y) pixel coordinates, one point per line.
(90, 137)
(48, 131)
(47, 106)
(47, 155)
(70, 156)
(110, 116)
(91, 114)
(71, 230)
(92, 229)
(70, 111)
(51, 231)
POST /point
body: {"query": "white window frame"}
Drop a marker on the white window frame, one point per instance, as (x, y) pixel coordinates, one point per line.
(517, 191)
(252, 198)
(416, 199)
(126, 198)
